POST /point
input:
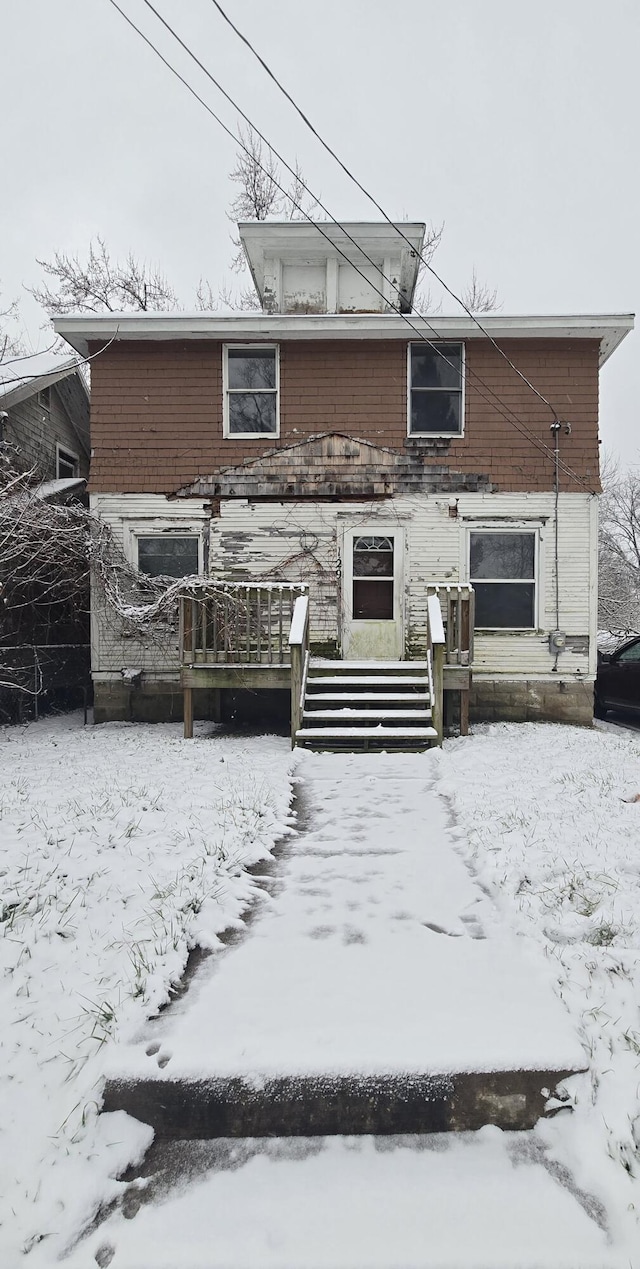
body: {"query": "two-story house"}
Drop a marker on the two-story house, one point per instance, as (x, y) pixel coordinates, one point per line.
(337, 441)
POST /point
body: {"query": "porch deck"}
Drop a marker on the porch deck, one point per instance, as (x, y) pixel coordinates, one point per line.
(256, 635)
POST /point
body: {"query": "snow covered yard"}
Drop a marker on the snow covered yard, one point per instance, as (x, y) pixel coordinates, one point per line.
(546, 819)
(121, 847)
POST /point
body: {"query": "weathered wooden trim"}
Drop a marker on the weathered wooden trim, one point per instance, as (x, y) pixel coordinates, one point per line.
(254, 677)
(456, 678)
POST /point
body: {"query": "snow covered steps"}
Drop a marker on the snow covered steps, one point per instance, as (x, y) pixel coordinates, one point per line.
(356, 705)
(335, 1105)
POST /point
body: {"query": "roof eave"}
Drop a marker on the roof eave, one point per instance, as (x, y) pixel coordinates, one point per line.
(82, 330)
(14, 396)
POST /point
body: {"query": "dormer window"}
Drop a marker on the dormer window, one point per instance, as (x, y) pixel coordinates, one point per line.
(251, 375)
(436, 383)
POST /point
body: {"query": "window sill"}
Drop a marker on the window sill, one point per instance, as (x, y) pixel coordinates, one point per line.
(432, 439)
(251, 436)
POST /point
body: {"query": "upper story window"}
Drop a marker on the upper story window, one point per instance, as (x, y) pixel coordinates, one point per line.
(67, 464)
(44, 399)
(436, 389)
(502, 571)
(169, 554)
(251, 374)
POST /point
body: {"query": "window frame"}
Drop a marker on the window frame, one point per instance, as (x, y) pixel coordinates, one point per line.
(532, 531)
(70, 458)
(137, 533)
(447, 343)
(227, 391)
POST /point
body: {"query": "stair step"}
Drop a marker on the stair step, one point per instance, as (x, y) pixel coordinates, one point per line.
(351, 713)
(366, 733)
(396, 698)
(369, 681)
(335, 1105)
(401, 667)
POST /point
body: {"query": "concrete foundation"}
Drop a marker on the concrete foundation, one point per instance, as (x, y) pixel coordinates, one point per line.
(149, 703)
(491, 700)
(532, 700)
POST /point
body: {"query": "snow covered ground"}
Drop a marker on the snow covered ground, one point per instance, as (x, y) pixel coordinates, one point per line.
(122, 846)
(548, 818)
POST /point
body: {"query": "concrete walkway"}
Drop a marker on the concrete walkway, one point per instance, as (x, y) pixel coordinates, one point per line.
(371, 958)
(374, 957)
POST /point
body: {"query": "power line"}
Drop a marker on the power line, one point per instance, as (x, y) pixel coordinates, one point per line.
(376, 204)
(514, 421)
(524, 430)
(43, 374)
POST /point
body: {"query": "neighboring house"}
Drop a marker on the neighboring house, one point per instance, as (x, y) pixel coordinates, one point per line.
(44, 434)
(325, 441)
(44, 416)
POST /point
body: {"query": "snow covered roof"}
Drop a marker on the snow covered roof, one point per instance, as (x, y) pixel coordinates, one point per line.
(81, 329)
(51, 488)
(21, 377)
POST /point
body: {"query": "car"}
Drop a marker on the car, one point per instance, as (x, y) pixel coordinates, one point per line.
(617, 683)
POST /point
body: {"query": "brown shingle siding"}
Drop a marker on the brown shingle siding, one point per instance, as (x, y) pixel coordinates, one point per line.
(157, 409)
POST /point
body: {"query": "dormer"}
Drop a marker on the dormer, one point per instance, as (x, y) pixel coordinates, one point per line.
(299, 267)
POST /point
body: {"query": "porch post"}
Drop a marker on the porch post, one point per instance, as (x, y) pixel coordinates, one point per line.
(187, 697)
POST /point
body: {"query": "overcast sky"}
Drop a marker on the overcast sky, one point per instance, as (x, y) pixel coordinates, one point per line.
(515, 122)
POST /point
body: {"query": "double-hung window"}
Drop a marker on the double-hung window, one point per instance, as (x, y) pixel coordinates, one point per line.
(251, 375)
(436, 389)
(67, 464)
(502, 571)
(168, 554)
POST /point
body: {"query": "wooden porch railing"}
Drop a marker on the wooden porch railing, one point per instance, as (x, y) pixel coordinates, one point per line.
(435, 662)
(238, 623)
(455, 604)
(299, 648)
(248, 625)
(457, 600)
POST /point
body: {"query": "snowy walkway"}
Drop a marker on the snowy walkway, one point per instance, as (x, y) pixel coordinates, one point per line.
(369, 959)
(369, 956)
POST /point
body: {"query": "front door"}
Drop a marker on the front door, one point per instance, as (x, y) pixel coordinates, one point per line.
(372, 609)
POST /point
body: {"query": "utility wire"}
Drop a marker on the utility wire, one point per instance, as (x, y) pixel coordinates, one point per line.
(317, 201)
(376, 204)
(42, 374)
(514, 421)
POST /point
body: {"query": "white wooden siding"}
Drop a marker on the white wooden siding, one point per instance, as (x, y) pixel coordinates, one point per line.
(112, 648)
(302, 542)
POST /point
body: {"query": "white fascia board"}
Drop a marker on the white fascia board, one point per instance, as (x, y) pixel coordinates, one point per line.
(81, 330)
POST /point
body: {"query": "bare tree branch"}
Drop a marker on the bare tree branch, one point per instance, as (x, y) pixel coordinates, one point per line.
(101, 284)
(619, 550)
(479, 297)
(10, 342)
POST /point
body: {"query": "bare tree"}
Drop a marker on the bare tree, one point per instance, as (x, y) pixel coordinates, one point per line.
(239, 299)
(264, 189)
(10, 342)
(423, 301)
(619, 550)
(479, 297)
(101, 284)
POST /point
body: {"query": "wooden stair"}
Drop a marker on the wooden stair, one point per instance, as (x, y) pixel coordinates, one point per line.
(359, 705)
